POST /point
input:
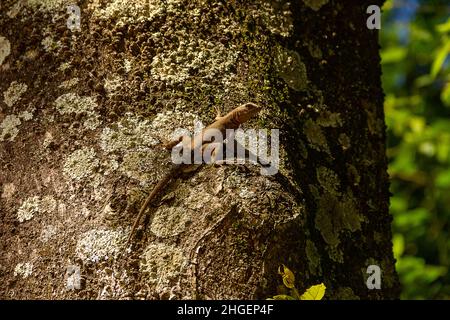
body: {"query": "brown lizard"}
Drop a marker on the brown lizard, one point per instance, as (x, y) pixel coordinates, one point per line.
(231, 120)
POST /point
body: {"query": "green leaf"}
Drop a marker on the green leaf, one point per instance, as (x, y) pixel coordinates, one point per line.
(432, 273)
(445, 95)
(282, 297)
(388, 5)
(419, 34)
(398, 204)
(314, 293)
(444, 27)
(399, 245)
(295, 294)
(423, 81)
(394, 54)
(440, 58)
(405, 161)
(415, 270)
(411, 219)
(287, 275)
(443, 179)
(443, 148)
(417, 124)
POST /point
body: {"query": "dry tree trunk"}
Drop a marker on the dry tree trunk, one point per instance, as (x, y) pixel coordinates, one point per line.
(82, 113)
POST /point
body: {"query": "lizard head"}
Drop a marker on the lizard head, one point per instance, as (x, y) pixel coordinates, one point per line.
(247, 111)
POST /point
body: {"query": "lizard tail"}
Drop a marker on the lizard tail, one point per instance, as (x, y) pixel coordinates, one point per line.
(164, 181)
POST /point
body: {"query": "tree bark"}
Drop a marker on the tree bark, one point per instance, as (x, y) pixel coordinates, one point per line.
(82, 115)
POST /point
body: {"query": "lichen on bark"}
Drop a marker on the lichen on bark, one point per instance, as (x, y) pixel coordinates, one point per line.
(85, 126)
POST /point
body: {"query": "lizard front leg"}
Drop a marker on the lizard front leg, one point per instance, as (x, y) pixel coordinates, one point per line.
(218, 113)
(170, 144)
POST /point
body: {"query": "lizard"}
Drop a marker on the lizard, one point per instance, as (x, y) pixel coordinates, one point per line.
(232, 120)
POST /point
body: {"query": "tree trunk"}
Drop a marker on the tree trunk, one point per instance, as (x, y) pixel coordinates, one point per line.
(82, 115)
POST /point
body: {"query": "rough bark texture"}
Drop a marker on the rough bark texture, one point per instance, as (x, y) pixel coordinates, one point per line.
(82, 113)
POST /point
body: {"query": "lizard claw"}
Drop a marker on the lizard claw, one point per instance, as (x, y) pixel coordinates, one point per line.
(218, 113)
(168, 145)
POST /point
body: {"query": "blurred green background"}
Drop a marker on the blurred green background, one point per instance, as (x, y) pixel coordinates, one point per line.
(415, 47)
